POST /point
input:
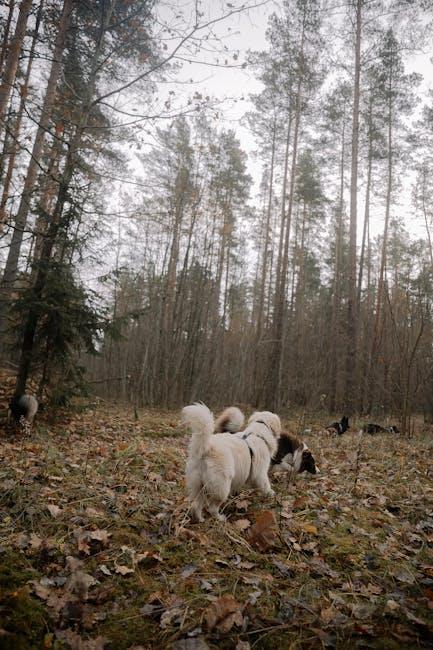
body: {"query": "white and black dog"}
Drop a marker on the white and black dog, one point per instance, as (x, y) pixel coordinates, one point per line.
(292, 453)
(221, 464)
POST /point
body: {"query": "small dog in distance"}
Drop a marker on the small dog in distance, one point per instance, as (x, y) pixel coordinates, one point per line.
(377, 428)
(339, 427)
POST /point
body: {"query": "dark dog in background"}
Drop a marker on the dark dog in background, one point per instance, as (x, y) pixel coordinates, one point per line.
(377, 428)
(339, 427)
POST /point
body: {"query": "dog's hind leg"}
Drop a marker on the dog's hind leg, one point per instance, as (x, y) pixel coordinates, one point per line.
(213, 509)
(218, 490)
(196, 495)
(262, 483)
(197, 506)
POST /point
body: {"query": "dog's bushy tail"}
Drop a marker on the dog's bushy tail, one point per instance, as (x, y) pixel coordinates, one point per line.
(231, 420)
(199, 421)
(24, 406)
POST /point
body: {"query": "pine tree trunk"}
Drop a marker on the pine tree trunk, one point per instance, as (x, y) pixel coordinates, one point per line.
(276, 358)
(367, 209)
(33, 316)
(5, 44)
(263, 273)
(11, 63)
(336, 297)
(351, 302)
(381, 280)
(11, 268)
(18, 119)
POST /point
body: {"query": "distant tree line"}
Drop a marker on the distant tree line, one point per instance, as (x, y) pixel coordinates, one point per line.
(287, 301)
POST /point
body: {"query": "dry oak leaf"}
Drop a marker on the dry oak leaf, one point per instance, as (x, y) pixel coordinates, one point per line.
(223, 613)
(242, 524)
(54, 510)
(123, 570)
(309, 528)
(79, 583)
(328, 614)
(264, 532)
(35, 541)
(185, 533)
(196, 643)
(75, 642)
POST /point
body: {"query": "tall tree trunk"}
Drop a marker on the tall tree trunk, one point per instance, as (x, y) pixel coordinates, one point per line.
(34, 164)
(263, 272)
(381, 280)
(367, 205)
(336, 296)
(11, 63)
(276, 358)
(5, 44)
(426, 220)
(351, 302)
(33, 316)
(18, 119)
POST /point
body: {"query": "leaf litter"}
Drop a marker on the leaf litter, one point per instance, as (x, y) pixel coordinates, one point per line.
(98, 550)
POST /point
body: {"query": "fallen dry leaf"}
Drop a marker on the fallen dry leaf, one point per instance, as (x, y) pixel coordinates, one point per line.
(264, 532)
(309, 528)
(223, 614)
(79, 583)
(242, 524)
(123, 570)
(54, 510)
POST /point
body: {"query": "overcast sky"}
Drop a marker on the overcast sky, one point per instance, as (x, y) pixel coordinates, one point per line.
(246, 31)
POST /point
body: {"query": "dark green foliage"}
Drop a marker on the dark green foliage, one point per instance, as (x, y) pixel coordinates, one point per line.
(70, 322)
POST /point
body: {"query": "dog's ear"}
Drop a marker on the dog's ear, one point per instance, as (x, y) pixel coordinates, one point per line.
(275, 423)
(308, 464)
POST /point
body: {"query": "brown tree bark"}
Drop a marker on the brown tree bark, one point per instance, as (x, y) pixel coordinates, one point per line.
(34, 164)
(5, 44)
(15, 145)
(11, 63)
(336, 294)
(352, 297)
(381, 280)
(276, 358)
(32, 319)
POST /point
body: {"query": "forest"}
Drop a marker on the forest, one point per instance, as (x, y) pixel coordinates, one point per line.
(228, 203)
(140, 253)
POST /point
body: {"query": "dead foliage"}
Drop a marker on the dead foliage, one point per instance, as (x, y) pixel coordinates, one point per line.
(97, 549)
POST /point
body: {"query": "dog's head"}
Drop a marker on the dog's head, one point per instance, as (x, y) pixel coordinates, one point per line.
(393, 429)
(344, 423)
(308, 464)
(271, 420)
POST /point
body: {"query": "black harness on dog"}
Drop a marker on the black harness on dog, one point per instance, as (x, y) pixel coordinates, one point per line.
(246, 435)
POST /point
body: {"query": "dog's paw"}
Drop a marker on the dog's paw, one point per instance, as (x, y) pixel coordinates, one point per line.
(271, 493)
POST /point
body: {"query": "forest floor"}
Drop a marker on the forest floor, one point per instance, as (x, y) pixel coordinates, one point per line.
(97, 549)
